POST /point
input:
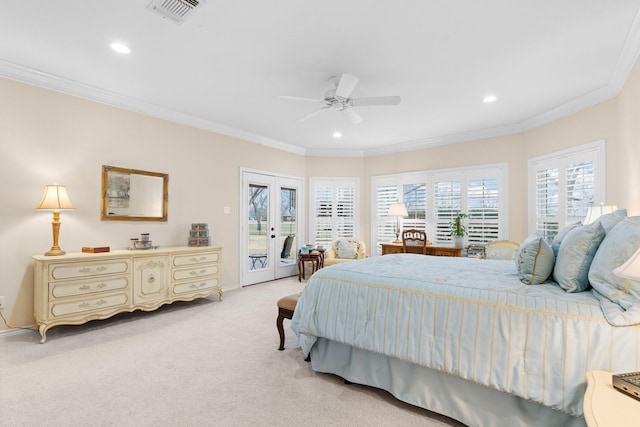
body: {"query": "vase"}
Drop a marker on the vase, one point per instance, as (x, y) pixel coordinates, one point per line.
(458, 241)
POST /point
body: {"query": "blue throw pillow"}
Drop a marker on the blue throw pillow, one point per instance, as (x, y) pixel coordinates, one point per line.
(555, 244)
(534, 260)
(609, 221)
(617, 247)
(575, 256)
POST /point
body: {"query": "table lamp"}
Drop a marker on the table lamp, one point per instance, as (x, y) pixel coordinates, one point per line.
(55, 199)
(631, 268)
(399, 210)
(596, 212)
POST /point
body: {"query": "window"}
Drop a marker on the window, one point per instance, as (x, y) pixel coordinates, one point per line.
(410, 189)
(563, 185)
(480, 193)
(333, 206)
(434, 198)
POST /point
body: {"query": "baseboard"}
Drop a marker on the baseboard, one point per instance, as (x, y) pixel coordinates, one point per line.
(16, 331)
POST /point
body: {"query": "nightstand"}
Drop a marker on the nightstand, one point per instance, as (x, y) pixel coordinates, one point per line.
(604, 406)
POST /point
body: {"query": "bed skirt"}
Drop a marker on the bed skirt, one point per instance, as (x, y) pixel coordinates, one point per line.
(472, 404)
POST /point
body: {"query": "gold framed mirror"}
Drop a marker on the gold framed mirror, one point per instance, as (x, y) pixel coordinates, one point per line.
(133, 195)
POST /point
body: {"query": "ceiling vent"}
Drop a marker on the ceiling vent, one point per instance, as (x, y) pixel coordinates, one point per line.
(176, 10)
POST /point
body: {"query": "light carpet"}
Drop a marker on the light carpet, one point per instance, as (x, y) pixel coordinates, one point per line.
(198, 363)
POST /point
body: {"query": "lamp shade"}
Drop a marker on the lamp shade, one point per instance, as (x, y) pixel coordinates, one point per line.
(631, 268)
(55, 198)
(595, 212)
(397, 209)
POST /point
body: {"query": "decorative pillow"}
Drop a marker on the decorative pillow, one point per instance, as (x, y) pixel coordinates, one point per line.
(616, 248)
(534, 260)
(555, 244)
(575, 256)
(609, 221)
(347, 249)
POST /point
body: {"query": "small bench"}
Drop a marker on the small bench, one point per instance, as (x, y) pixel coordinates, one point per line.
(286, 307)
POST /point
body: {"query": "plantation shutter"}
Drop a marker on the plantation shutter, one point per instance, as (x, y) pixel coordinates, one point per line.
(415, 200)
(579, 190)
(386, 225)
(323, 215)
(334, 209)
(447, 204)
(563, 185)
(483, 197)
(547, 203)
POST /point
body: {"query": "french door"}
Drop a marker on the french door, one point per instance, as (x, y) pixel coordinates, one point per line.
(271, 226)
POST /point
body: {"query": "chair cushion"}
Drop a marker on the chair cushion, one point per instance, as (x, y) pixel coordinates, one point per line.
(347, 249)
(289, 302)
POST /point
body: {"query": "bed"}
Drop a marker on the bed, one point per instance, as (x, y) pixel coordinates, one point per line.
(463, 337)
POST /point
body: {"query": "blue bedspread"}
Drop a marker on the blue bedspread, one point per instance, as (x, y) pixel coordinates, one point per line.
(471, 318)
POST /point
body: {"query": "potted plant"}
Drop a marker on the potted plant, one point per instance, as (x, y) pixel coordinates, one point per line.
(458, 230)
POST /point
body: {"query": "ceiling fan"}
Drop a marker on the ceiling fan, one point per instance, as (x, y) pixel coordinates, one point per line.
(339, 99)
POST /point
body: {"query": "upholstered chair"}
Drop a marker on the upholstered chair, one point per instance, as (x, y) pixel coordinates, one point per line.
(501, 249)
(345, 250)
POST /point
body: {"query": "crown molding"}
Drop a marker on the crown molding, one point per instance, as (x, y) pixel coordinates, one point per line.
(38, 78)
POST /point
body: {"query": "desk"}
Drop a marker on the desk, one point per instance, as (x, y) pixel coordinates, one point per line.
(315, 257)
(604, 406)
(434, 250)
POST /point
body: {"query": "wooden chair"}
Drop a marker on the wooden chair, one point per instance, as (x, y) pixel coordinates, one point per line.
(414, 241)
(286, 308)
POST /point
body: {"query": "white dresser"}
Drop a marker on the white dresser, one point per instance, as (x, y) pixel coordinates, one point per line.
(78, 287)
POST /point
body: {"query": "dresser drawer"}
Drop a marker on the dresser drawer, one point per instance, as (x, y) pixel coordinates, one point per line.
(192, 273)
(84, 305)
(196, 258)
(196, 286)
(87, 269)
(87, 287)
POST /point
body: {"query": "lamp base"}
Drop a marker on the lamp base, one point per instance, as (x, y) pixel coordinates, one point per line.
(54, 251)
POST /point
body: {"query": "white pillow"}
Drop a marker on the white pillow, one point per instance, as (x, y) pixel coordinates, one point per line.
(347, 249)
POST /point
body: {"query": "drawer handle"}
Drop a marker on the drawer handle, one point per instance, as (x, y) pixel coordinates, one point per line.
(87, 270)
(194, 259)
(194, 285)
(88, 288)
(151, 278)
(87, 305)
(197, 273)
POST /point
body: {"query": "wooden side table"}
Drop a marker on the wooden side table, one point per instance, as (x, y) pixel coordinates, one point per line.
(605, 406)
(315, 257)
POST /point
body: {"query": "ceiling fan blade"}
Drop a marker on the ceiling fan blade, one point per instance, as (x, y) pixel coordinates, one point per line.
(312, 114)
(353, 117)
(375, 100)
(346, 85)
(298, 98)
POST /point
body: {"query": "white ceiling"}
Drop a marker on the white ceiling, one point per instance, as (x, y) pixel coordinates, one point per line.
(225, 66)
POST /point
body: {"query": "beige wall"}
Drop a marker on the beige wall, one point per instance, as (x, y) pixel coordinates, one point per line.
(47, 137)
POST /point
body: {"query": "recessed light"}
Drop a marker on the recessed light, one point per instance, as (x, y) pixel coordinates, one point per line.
(337, 135)
(489, 99)
(120, 48)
